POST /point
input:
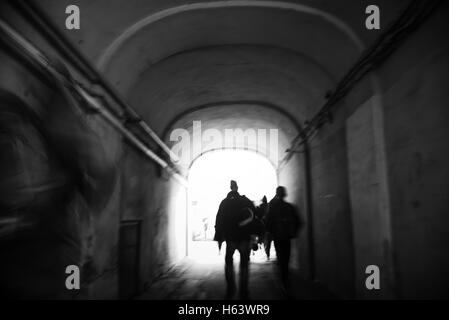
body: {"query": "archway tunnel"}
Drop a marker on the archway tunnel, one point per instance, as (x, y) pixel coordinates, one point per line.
(106, 132)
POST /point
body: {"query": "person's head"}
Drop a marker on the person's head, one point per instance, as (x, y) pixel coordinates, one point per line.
(264, 199)
(281, 192)
(234, 186)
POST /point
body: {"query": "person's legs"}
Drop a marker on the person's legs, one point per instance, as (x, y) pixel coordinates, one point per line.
(229, 269)
(244, 250)
(267, 244)
(278, 249)
(287, 248)
(283, 254)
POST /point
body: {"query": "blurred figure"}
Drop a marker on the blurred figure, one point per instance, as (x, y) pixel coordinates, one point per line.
(266, 237)
(233, 225)
(258, 226)
(262, 209)
(55, 177)
(283, 223)
(205, 226)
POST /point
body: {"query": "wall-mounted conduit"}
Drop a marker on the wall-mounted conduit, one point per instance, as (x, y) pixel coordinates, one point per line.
(24, 47)
(412, 17)
(57, 39)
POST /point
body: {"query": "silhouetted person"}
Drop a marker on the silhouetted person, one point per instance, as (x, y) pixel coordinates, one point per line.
(283, 223)
(267, 238)
(233, 223)
(205, 227)
(262, 209)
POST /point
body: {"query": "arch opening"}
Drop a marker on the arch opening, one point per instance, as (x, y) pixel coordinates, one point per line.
(208, 184)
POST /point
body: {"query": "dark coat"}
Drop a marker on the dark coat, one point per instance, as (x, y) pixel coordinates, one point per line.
(282, 219)
(232, 211)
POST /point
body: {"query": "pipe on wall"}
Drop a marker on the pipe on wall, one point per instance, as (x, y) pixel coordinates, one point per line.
(27, 48)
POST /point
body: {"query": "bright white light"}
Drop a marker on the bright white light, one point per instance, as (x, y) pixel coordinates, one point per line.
(209, 183)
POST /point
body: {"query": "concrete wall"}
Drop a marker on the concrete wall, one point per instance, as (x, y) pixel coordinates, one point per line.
(416, 119)
(159, 202)
(141, 193)
(415, 131)
(332, 226)
(395, 147)
(369, 196)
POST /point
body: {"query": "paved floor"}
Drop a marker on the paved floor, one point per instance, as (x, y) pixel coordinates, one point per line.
(201, 277)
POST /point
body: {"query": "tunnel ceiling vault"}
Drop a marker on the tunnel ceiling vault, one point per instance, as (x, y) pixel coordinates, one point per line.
(108, 22)
(138, 44)
(255, 131)
(253, 9)
(168, 57)
(311, 33)
(274, 77)
(272, 110)
(180, 56)
(278, 53)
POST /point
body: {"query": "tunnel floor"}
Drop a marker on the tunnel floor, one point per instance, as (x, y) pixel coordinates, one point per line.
(201, 277)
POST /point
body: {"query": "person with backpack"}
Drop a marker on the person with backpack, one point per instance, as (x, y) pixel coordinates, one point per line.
(234, 225)
(283, 223)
